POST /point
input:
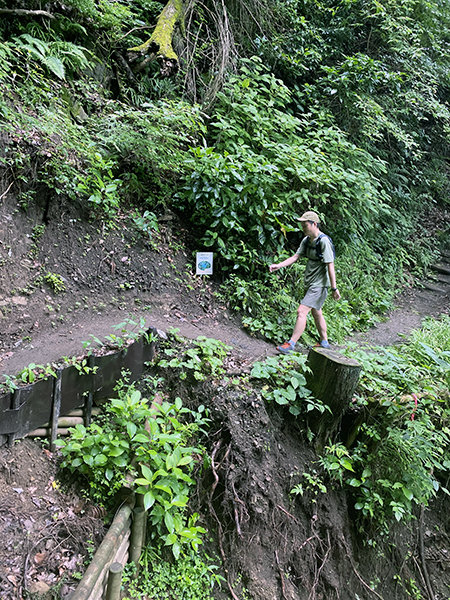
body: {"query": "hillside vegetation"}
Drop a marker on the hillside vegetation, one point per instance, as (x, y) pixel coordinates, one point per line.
(278, 107)
(236, 117)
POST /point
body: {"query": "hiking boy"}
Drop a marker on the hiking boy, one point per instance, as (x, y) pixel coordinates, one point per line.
(319, 276)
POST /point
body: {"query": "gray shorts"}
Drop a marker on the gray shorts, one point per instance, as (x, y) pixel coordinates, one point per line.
(315, 297)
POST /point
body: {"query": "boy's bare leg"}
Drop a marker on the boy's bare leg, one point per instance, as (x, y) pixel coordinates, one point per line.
(302, 313)
(321, 325)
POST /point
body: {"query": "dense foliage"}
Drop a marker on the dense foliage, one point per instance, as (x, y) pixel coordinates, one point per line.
(338, 106)
(400, 455)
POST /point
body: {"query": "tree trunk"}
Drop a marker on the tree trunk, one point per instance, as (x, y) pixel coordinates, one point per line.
(333, 380)
(160, 42)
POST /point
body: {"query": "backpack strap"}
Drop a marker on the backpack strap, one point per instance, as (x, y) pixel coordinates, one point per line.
(318, 247)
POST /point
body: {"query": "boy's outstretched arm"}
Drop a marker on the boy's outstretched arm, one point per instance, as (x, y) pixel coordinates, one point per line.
(286, 263)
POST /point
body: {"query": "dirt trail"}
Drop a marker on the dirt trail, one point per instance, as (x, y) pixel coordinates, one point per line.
(64, 280)
(49, 345)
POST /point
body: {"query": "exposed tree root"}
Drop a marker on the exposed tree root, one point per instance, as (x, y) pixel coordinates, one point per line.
(422, 557)
(283, 588)
(213, 513)
(360, 579)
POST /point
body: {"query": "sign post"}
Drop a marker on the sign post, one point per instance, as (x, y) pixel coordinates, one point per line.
(204, 263)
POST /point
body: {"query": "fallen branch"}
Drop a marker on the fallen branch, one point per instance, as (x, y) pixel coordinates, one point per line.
(20, 12)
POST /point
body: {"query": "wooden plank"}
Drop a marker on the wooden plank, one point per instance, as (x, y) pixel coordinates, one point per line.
(56, 409)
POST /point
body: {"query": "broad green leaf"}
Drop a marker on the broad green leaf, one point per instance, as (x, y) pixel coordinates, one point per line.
(180, 501)
(100, 460)
(168, 520)
(354, 482)
(116, 451)
(171, 538)
(146, 472)
(407, 493)
(142, 481)
(347, 464)
(141, 437)
(187, 533)
(149, 500)
(176, 549)
(159, 472)
(131, 429)
(162, 487)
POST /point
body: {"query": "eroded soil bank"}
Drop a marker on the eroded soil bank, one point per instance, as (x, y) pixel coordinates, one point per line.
(45, 531)
(273, 545)
(276, 545)
(103, 277)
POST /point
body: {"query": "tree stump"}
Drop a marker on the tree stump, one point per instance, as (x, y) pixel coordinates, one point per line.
(333, 380)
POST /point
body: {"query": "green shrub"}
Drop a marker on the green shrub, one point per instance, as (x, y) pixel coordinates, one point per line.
(400, 456)
(200, 359)
(191, 577)
(144, 448)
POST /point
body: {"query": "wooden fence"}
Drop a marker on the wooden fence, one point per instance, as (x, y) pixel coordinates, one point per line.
(42, 403)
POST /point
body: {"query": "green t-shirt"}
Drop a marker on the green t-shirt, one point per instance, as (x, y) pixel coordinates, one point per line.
(316, 272)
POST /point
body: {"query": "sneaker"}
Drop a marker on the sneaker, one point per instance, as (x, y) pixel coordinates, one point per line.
(286, 348)
(322, 344)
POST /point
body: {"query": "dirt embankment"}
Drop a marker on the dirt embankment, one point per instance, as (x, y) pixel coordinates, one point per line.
(64, 280)
(276, 545)
(45, 532)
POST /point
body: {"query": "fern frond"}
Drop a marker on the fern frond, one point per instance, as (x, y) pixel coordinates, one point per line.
(55, 65)
(42, 47)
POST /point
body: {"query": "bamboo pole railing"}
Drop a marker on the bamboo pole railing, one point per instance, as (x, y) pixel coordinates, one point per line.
(113, 550)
